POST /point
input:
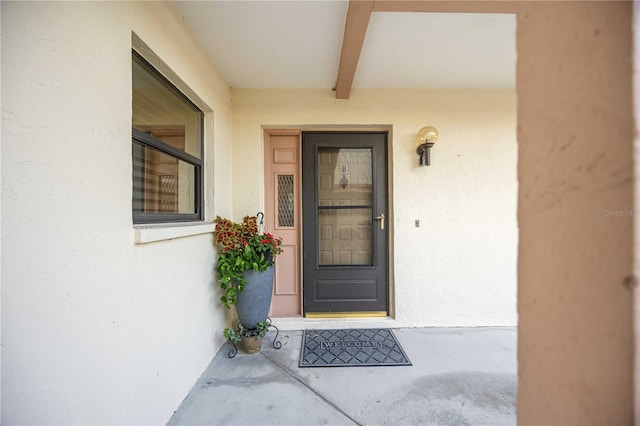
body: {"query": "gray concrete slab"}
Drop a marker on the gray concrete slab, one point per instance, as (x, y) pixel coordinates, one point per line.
(459, 376)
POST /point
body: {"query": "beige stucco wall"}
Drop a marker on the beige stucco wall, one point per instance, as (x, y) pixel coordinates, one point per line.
(575, 168)
(457, 268)
(97, 329)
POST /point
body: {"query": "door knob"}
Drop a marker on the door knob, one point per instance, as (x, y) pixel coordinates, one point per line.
(381, 219)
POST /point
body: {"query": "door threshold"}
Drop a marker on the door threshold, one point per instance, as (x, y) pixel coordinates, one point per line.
(301, 323)
(367, 314)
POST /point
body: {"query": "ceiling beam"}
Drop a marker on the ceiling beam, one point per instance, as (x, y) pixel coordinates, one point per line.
(359, 13)
(355, 29)
(447, 6)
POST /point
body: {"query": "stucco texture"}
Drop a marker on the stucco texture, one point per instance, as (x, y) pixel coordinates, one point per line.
(575, 168)
(96, 329)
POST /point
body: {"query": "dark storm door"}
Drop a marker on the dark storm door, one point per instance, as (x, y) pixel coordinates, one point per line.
(345, 222)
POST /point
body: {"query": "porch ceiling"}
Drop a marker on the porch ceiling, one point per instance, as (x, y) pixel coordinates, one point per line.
(297, 44)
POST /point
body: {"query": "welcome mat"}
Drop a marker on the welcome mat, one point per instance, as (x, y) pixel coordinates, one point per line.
(363, 347)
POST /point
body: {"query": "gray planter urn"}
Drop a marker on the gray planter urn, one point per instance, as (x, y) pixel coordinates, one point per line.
(254, 300)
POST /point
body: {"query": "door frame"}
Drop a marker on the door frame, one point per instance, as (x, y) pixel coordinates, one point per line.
(334, 288)
(390, 222)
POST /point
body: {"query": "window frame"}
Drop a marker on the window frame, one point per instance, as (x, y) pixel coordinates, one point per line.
(146, 140)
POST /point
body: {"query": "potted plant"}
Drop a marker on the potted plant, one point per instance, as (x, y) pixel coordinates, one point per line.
(245, 273)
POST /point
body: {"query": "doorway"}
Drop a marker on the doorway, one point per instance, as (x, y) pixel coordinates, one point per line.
(345, 217)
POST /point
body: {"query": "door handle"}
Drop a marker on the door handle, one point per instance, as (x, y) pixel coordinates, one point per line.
(381, 219)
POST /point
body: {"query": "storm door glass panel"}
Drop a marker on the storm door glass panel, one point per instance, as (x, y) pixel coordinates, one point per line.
(345, 211)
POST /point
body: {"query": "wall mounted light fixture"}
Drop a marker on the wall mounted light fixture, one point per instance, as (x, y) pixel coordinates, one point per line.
(427, 136)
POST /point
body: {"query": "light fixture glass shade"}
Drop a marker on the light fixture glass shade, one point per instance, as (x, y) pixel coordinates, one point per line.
(427, 134)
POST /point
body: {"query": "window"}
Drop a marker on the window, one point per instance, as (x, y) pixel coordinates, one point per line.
(167, 148)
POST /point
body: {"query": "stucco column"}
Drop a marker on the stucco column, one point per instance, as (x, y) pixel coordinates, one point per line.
(575, 213)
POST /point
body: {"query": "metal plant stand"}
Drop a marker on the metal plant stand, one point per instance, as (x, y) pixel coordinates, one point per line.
(252, 333)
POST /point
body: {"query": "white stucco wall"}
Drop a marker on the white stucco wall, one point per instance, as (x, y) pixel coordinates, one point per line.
(459, 267)
(97, 329)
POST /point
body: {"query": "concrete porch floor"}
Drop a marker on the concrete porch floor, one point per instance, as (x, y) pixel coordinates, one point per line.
(460, 376)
